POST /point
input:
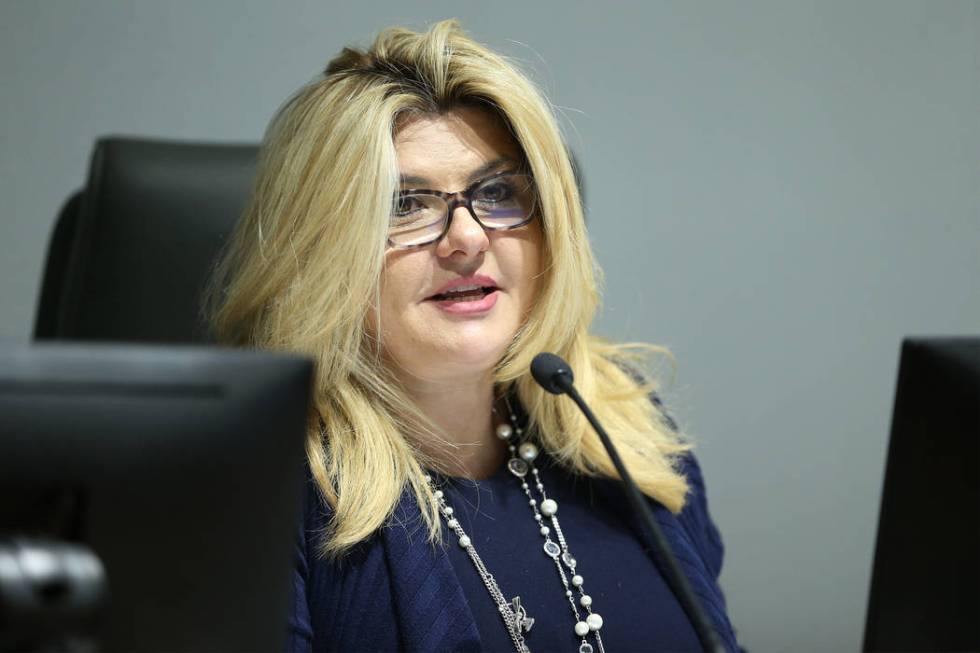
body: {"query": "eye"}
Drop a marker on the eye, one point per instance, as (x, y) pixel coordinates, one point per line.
(405, 206)
(495, 191)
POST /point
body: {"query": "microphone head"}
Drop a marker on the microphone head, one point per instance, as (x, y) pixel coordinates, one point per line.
(552, 373)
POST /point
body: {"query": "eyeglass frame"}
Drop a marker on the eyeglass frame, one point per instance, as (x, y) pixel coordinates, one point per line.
(461, 198)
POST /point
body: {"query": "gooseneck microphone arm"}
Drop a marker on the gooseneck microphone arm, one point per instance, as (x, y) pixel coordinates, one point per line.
(554, 375)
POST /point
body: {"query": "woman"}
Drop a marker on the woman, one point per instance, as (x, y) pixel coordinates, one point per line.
(416, 228)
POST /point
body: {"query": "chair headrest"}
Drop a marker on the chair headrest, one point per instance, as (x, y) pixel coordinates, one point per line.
(155, 214)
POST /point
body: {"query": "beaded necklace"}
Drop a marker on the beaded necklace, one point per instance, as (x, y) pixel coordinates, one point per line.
(545, 514)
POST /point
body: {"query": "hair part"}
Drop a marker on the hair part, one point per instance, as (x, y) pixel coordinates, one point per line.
(310, 248)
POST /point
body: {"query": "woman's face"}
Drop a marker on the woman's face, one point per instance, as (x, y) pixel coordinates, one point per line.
(432, 328)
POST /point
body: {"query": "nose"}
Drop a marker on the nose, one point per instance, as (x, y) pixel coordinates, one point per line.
(465, 237)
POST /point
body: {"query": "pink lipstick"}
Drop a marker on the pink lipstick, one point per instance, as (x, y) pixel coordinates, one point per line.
(467, 295)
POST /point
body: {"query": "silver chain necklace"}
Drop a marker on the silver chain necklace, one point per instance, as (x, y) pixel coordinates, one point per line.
(515, 616)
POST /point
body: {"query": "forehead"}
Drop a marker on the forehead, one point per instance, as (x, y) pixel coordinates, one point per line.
(446, 147)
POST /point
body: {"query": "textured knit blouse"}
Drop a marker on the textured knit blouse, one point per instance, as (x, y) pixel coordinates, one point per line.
(398, 592)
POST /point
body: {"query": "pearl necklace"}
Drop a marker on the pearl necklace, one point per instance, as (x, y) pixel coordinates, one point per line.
(515, 616)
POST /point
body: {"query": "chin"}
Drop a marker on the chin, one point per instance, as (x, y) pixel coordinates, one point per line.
(446, 349)
(447, 363)
(475, 359)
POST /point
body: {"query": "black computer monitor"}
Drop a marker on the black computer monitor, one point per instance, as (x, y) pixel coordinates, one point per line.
(925, 587)
(180, 470)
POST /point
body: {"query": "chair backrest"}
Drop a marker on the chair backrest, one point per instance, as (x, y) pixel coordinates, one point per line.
(131, 252)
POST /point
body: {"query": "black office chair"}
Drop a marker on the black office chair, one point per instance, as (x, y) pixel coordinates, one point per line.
(131, 252)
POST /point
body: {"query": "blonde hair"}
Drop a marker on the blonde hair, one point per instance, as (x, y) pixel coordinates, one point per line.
(308, 253)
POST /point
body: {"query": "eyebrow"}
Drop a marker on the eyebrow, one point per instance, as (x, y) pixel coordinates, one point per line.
(482, 171)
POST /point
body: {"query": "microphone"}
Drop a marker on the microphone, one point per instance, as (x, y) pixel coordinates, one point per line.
(552, 373)
(555, 375)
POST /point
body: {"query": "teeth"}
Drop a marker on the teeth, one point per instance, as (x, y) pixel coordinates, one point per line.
(463, 289)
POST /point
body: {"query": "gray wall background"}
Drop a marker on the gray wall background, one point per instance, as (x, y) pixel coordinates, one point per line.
(778, 191)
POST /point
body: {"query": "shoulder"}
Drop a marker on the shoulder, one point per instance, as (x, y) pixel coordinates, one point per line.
(335, 598)
(322, 571)
(696, 518)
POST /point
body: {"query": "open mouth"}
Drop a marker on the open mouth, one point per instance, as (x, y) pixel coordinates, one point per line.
(464, 294)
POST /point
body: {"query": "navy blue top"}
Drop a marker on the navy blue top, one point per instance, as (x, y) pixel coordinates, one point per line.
(638, 609)
(397, 592)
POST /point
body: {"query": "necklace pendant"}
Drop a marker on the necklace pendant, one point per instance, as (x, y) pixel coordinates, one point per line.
(521, 620)
(552, 549)
(518, 467)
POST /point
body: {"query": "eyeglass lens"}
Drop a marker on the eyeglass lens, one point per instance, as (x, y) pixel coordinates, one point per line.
(502, 202)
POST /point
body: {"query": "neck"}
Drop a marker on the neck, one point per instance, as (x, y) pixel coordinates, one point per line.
(462, 410)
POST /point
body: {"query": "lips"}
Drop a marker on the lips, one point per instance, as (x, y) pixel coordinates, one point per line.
(465, 289)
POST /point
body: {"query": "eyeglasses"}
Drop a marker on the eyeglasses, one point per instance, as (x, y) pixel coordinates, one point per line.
(420, 217)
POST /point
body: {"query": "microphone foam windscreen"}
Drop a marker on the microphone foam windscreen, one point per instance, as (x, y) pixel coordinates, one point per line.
(549, 371)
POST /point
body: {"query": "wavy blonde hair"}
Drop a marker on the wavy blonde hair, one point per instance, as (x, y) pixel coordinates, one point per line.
(307, 256)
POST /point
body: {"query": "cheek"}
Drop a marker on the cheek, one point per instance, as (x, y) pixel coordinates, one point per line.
(399, 287)
(528, 263)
